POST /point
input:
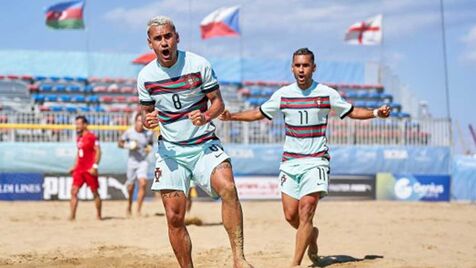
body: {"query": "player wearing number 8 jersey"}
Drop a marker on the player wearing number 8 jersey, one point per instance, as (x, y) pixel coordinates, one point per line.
(305, 163)
(174, 92)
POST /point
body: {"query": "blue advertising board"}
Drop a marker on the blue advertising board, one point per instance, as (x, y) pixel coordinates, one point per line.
(408, 187)
(21, 186)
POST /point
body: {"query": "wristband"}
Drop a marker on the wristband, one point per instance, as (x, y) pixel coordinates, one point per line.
(95, 166)
(375, 112)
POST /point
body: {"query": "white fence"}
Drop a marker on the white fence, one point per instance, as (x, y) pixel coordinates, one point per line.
(58, 127)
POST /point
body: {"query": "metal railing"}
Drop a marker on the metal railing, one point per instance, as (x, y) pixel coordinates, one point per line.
(58, 127)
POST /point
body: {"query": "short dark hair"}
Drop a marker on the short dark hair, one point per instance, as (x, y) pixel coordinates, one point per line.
(83, 118)
(304, 51)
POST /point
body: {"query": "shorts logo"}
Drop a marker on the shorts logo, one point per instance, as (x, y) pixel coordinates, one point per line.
(157, 174)
(283, 179)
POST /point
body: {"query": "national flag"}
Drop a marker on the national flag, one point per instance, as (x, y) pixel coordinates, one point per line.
(221, 22)
(367, 32)
(65, 15)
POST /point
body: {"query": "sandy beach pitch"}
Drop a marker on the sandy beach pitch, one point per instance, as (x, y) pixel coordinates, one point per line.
(353, 234)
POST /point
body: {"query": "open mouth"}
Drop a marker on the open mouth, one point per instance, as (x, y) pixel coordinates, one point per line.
(166, 53)
(301, 77)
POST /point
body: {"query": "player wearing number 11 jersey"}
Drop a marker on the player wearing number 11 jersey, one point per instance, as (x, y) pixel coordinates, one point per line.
(174, 92)
(305, 163)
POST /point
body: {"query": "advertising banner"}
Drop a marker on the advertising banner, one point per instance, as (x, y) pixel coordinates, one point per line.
(21, 186)
(111, 187)
(407, 187)
(351, 187)
(342, 187)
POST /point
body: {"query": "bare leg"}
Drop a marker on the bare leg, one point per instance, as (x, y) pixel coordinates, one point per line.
(175, 206)
(98, 204)
(130, 191)
(141, 194)
(232, 216)
(291, 213)
(307, 208)
(74, 202)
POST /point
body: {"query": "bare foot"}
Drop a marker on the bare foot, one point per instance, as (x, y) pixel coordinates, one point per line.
(128, 213)
(71, 218)
(99, 218)
(242, 264)
(313, 249)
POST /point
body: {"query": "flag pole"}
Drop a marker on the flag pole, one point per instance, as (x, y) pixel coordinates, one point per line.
(380, 68)
(445, 66)
(241, 49)
(86, 33)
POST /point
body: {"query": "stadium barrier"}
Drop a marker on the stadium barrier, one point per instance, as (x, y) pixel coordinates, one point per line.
(58, 127)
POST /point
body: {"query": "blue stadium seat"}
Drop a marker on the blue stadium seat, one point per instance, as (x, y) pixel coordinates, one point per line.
(255, 92)
(74, 88)
(403, 115)
(39, 78)
(55, 78)
(88, 89)
(51, 97)
(64, 98)
(92, 99)
(98, 109)
(360, 103)
(71, 109)
(84, 109)
(78, 98)
(394, 114)
(60, 88)
(68, 78)
(372, 104)
(56, 108)
(268, 92)
(395, 105)
(352, 94)
(386, 96)
(46, 88)
(374, 95)
(363, 95)
(39, 98)
(81, 79)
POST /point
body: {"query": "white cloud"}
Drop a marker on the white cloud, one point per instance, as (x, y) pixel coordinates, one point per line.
(470, 39)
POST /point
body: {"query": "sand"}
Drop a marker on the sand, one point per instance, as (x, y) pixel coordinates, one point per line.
(352, 234)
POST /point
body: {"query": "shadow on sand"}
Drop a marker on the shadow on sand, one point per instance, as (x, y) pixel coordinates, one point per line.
(325, 261)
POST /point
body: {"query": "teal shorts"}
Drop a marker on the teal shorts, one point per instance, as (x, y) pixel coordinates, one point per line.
(177, 166)
(303, 178)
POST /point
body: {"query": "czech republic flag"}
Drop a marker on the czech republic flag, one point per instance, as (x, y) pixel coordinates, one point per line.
(221, 22)
(66, 15)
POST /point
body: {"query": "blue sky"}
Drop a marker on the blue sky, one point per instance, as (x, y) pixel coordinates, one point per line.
(412, 36)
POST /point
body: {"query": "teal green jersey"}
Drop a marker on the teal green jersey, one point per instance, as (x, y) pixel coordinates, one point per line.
(305, 116)
(175, 92)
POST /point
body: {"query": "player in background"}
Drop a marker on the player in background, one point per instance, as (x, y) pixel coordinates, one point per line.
(138, 141)
(85, 168)
(174, 92)
(304, 175)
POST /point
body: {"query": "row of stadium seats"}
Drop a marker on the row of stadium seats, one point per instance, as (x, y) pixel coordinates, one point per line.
(39, 98)
(84, 109)
(73, 88)
(267, 91)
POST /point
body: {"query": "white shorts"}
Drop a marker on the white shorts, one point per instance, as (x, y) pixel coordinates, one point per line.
(136, 170)
(177, 165)
(304, 179)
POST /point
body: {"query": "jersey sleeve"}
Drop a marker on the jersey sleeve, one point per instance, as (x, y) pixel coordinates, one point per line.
(209, 78)
(339, 105)
(144, 95)
(150, 138)
(272, 106)
(125, 136)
